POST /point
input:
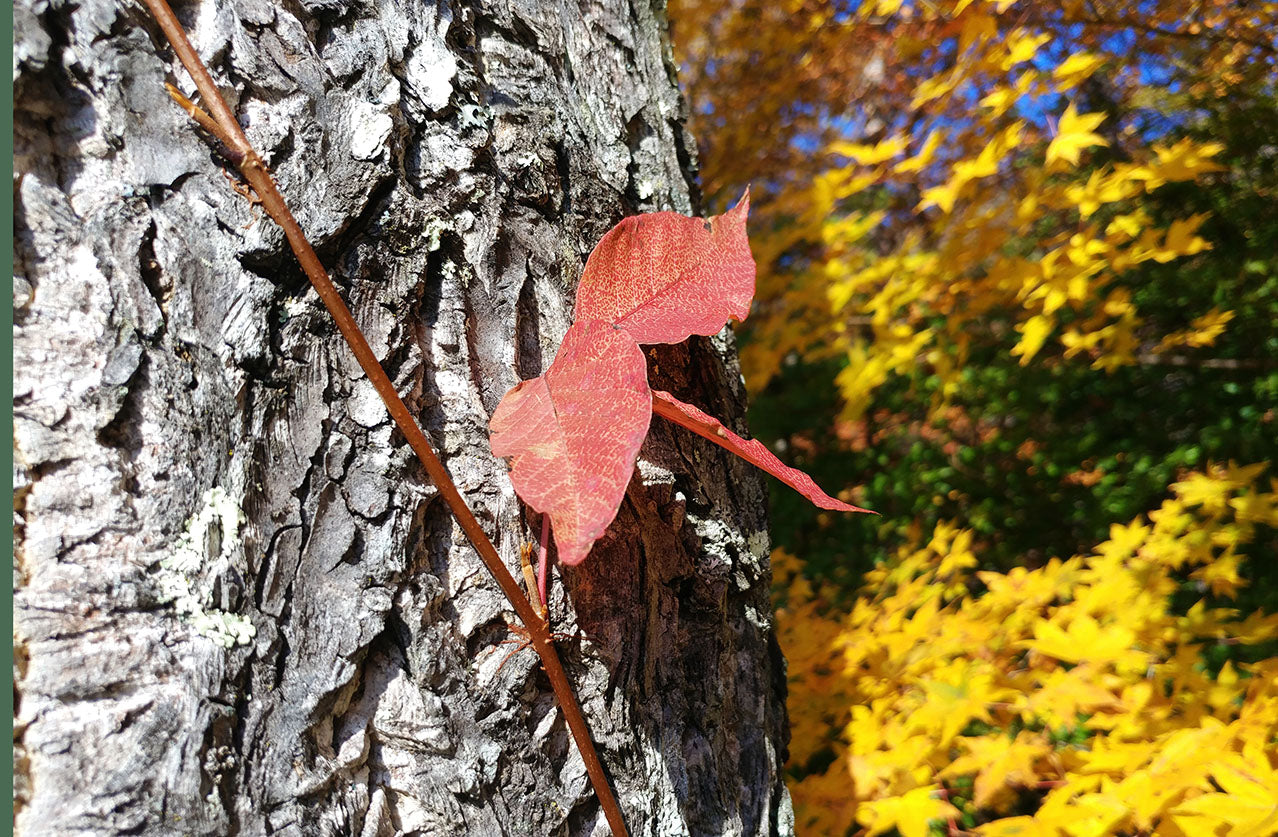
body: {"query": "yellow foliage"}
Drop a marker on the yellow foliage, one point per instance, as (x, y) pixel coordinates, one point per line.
(1076, 69)
(1074, 134)
(944, 690)
(1033, 332)
(909, 813)
(1008, 226)
(868, 155)
(934, 180)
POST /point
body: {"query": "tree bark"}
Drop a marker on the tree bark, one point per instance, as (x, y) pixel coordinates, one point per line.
(238, 608)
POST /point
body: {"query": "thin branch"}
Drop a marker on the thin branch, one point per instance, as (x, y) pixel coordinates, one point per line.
(201, 116)
(1203, 34)
(543, 562)
(1156, 359)
(257, 175)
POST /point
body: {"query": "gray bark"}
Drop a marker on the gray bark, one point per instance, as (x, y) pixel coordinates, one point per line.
(239, 607)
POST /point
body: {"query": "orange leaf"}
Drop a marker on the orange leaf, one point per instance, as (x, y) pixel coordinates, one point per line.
(664, 277)
(751, 450)
(573, 433)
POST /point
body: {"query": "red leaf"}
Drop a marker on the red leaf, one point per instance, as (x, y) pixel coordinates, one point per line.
(664, 277)
(751, 450)
(574, 432)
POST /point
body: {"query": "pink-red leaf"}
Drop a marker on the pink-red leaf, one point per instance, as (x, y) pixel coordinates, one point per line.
(667, 406)
(664, 277)
(574, 432)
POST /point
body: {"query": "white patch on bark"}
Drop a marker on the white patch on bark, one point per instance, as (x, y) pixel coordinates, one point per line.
(429, 73)
(370, 126)
(215, 528)
(366, 407)
(759, 544)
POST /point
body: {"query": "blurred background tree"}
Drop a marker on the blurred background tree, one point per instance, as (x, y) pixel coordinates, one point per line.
(1018, 270)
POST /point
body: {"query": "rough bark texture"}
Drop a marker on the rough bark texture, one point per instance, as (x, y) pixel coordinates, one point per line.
(239, 609)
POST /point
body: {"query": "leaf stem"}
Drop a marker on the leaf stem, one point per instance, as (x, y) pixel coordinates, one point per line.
(228, 131)
(543, 561)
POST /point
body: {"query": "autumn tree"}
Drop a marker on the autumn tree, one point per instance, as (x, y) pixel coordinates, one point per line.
(1019, 279)
(981, 186)
(1080, 697)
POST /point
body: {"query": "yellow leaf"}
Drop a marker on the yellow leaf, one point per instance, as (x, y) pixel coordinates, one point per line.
(1075, 69)
(998, 762)
(1061, 695)
(977, 27)
(1128, 226)
(850, 228)
(1221, 576)
(955, 693)
(1001, 100)
(1259, 627)
(983, 165)
(1034, 332)
(935, 88)
(1205, 329)
(1257, 508)
(1074, 134)
(1099, 190)
(918, 161)
(1083, 641)
(1016, 827)
(1248, 807)
(1204, 490)
(1022, 45)
(1094, 815)
(911, 813)
(942, 196)
(1181, 241)
(869, 155)
(1183, 161)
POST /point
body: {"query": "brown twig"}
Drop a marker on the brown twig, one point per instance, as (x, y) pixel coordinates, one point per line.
(201, 116)
(1099, 21)
(254, 171)
(1157, 359)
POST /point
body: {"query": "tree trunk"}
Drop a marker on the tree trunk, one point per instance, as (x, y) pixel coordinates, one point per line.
(239, 609)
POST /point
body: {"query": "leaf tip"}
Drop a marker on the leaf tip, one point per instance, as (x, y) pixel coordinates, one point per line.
(573, 557)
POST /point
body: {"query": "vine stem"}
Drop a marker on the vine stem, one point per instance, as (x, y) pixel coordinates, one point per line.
(223, 125)
(543, 562)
